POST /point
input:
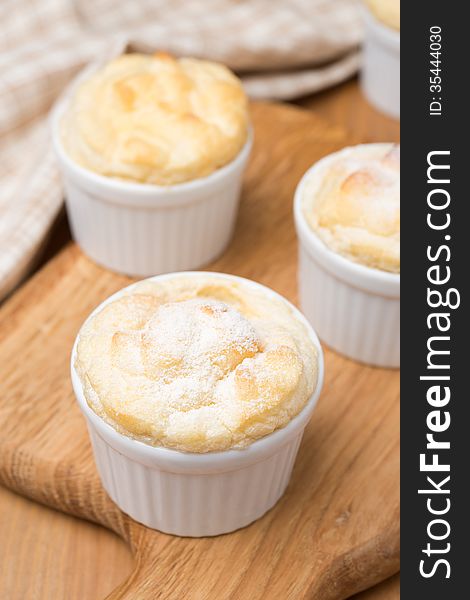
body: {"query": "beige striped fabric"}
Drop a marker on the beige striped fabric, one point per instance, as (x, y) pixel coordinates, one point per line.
(281, 49)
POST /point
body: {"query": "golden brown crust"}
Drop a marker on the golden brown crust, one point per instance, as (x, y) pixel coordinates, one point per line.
(156, 119)
(196, 364)
(352, 202)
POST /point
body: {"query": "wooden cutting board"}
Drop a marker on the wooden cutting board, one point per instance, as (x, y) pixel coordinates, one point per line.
(335, 531)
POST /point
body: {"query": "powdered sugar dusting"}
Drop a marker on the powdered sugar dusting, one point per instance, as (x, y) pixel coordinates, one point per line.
(187, 347)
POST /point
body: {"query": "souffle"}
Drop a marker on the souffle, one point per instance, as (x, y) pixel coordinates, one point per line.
(156, 119)
(197, 364)
(386, 11)
(351, 200)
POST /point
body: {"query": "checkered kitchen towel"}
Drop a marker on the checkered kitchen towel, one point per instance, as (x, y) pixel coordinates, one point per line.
(281, 49)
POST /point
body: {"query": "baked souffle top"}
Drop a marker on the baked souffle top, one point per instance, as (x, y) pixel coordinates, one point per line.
(156, 119)
(197, 364)
(352, 201)
(386, 11)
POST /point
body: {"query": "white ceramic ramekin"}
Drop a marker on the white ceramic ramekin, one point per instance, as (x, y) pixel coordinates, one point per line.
(142, 229)
(380, 75)
(354, 309)
(191, 494)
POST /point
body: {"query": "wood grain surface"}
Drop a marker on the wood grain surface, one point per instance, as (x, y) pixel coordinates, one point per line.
(346, 106)
(335, 531)
(45, 554)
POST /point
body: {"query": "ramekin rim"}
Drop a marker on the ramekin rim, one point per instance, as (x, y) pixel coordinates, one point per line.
(338, 264)
(256, 450)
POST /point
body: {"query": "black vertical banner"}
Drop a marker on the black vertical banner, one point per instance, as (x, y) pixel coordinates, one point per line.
(435, 354)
